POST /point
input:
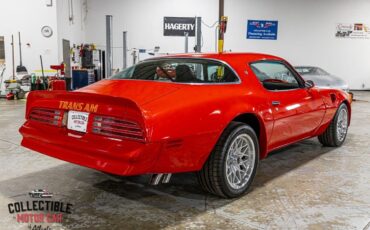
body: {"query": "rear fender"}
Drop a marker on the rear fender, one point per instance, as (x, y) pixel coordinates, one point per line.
(256, 122)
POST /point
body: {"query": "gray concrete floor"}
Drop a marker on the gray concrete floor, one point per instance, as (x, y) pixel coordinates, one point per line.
(304, 186)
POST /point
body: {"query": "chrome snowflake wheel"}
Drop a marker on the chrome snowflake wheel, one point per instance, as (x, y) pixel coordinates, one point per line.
(342, 124)
(240, 161)
(232, 165)
(336, 133)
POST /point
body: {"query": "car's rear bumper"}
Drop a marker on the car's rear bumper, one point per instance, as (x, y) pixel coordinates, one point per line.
(116, 156)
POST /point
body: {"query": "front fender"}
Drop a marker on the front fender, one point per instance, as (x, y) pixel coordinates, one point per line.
(333, 98)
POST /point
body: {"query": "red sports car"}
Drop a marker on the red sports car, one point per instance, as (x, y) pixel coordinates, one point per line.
(214, 114)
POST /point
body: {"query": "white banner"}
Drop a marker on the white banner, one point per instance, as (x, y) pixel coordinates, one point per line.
(353, 30)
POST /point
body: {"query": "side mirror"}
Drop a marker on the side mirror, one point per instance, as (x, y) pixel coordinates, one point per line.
(309, 84)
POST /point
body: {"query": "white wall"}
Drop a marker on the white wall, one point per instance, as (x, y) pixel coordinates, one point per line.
(28, 17)
(143, 19)
(306, 30)
(307, 34)
(74, 31)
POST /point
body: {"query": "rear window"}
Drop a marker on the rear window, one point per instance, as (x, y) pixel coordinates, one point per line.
(179, 70)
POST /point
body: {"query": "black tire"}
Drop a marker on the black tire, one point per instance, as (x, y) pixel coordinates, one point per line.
(330, 137)
(212, 177)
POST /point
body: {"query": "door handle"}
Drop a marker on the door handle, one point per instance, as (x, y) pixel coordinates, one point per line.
(275, 103)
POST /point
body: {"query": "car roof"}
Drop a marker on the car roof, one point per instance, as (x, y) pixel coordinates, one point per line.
(225, 56)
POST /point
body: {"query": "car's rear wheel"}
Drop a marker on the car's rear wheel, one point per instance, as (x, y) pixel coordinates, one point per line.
(232, 165)
(336, 133)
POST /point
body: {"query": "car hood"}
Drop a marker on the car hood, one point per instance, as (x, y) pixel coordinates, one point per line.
(327, 81)
(139, 91)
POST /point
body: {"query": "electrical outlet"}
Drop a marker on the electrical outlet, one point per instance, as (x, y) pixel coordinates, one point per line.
(49, 3)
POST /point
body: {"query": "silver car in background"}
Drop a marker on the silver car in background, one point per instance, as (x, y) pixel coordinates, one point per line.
(321, 78)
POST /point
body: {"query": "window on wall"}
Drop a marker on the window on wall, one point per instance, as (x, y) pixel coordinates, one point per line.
(2, 50)
(275, 75)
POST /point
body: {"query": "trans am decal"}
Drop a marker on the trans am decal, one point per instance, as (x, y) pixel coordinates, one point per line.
(78, 106)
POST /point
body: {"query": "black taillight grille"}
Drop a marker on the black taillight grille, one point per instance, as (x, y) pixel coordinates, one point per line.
(117, 127)
(47, 116)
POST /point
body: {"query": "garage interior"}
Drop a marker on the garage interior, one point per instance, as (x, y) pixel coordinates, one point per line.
(302, 186)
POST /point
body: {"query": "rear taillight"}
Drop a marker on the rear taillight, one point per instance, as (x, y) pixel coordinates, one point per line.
(47, 116)
(116, 127)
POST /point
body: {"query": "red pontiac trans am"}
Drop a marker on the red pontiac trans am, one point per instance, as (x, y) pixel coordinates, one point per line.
(214, 114)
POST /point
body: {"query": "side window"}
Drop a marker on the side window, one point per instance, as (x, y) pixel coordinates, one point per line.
(125, 74)
(212, 71)
(274, 75)
(184, 70)
(197, 69)
(220, 73)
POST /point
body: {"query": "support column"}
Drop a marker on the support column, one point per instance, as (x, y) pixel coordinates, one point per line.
(199, 34)
(221, 9)
(109, 41)
(124, 66)
(186, 42)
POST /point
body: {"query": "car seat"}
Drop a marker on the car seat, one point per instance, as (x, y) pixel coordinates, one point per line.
(184, 74)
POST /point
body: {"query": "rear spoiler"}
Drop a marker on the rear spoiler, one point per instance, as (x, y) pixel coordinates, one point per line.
(85, 102)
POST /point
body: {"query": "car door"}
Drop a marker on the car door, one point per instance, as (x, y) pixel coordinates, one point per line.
(297, 110)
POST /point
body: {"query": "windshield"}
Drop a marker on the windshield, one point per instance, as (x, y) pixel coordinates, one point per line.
(179, 70)
(303, 70)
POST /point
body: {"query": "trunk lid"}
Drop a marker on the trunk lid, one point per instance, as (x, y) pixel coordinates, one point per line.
(109, 107)
(139, 91)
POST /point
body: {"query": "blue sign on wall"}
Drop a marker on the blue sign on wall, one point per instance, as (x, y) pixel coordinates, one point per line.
(260, 29)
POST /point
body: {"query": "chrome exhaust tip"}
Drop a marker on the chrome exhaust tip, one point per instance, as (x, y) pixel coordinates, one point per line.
(166, 178)
(160, 178)
(155, 179)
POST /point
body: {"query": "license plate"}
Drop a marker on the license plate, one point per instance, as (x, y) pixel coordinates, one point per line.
(77, 121)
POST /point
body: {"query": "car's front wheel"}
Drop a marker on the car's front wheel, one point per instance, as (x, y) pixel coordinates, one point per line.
(232, 165)
(336, 133)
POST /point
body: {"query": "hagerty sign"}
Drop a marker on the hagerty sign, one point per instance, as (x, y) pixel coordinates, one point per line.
(176, 26)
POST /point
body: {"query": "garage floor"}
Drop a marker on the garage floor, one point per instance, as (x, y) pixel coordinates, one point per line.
(302, 186)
